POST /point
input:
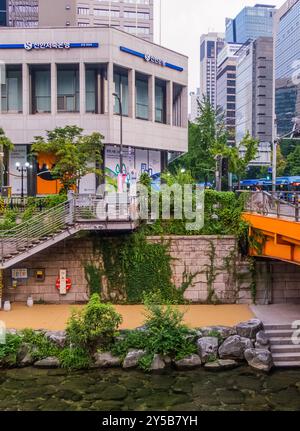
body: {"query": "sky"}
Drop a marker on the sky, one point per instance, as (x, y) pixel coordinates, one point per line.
(183, 22)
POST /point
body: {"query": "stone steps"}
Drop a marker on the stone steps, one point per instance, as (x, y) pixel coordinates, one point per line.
(285, 353)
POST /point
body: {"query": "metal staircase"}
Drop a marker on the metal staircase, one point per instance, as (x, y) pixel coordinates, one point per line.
(81, 213)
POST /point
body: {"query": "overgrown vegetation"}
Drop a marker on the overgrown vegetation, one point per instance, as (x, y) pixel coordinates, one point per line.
(127, 267)
(164, 334)
(9, 350)
(94, 326)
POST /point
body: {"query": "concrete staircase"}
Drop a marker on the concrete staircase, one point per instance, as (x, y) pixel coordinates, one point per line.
(285, 353)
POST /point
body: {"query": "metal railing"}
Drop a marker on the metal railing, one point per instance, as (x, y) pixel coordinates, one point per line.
(278, 204)
(79, 209)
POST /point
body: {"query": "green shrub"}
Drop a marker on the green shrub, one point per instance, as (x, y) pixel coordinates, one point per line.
(74, 359)
(40, 346)
(133, 340)
(9, 350)
(94, 326)
(164, 334)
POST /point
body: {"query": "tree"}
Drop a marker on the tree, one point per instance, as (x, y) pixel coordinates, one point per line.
(281, 162)
(238, 164)
(73, 153)
(293, 162)
(5, 146)
(205, 137)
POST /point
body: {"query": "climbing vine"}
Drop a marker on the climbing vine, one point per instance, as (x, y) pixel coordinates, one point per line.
(124, 269)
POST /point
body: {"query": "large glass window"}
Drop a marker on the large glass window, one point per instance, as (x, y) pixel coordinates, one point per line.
(121, 88)
(11, 91)
(160, 101)
(68, 89)
(41, 90)
(94, 88)
(142, 97)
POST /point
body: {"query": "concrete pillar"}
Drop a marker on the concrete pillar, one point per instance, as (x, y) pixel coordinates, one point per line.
(26, 88)
(151, 95)
(184, 107)
(110, 89)
(169, 102)
(53, 89)
(131, 93)
(82, 93)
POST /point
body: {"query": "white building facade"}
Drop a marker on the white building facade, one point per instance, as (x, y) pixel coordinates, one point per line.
(67, 76)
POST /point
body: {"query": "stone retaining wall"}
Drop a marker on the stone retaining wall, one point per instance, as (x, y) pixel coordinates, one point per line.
(213, 263)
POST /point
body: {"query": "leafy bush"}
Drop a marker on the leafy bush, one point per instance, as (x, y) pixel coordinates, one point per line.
(74, 358)
(40, 346)
(9, 350)
(95, 325)
(164, 334)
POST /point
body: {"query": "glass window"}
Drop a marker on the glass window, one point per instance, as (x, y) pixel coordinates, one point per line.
(121, 88)
(11, 91)
(142, 98)
(41, 91)
(68, 90)
(160, 102)
(90, 87)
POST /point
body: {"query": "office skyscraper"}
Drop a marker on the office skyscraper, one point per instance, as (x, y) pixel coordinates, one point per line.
(250, 23)
(254, 93)
(211, 45)
(226, 87)
(287, 67)
(132, 16)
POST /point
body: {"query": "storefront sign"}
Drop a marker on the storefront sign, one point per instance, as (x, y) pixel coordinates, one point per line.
(151, 59)
(29, 46)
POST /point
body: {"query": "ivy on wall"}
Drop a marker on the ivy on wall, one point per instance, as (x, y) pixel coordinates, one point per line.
(127, 267)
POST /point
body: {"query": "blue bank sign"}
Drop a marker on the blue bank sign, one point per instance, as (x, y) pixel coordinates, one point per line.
(151, 59)
(31, 46)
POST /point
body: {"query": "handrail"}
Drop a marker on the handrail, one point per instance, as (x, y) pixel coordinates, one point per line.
(76, 210)
(273, 204)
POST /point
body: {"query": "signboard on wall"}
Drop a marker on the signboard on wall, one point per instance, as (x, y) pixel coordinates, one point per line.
(63, 281)
(19, 274)
(17, 155)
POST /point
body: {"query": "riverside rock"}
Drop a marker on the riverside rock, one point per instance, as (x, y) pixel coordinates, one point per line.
(259, 359)
(50, 362)
(223, 331)
(106, 360)
(57, 337)
(249, 329)
(221, 364)
(234, 347)
(24, 355)
(262, 340)
(158, 363)
(188, 363)
(207, 348)
(132, 358)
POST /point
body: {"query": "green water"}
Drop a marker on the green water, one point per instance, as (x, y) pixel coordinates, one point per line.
(239, 389)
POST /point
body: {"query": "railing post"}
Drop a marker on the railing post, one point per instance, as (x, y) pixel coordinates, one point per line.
(264, 203)
(297, 210)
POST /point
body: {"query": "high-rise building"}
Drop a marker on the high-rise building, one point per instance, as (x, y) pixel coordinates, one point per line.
(132, 16)
(3, 13)
(250, 23)
(254, 93)
(211, 45)
(287, 67)
(195, 99)
(226, 87)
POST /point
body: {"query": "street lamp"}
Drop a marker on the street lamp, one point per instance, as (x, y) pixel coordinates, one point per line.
(121, 133)
(23, 169)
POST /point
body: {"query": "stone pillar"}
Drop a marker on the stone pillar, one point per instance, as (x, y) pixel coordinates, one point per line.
(169, 103)
(110, 89)
(26, 88)
(53, 89)
(82, 93)
(131, 93)
(151, 95)
(184, 107)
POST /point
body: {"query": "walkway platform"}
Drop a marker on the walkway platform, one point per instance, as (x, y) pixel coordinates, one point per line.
(54, 317)
(277, 314)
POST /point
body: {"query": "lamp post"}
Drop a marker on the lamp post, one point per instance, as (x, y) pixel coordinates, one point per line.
(121, 132)
(23, 169)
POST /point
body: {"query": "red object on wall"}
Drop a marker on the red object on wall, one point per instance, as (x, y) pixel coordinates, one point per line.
(68, 283)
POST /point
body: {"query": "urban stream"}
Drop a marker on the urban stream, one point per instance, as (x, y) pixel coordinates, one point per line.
(112, 390)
